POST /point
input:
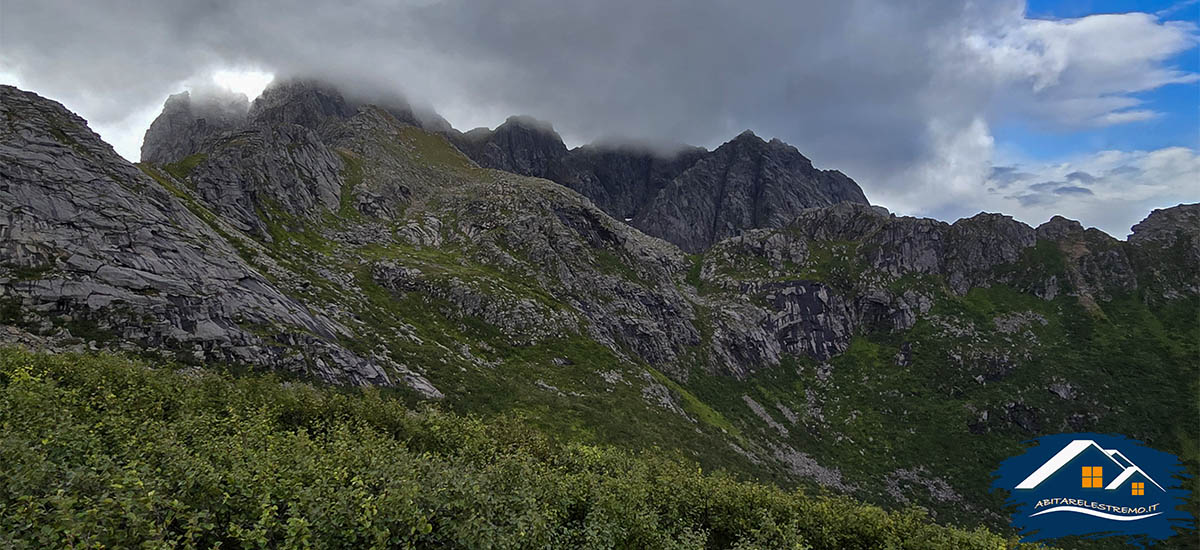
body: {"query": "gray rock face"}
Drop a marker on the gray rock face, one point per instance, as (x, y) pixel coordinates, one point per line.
(692, 197)
(342, 241)
(522, 145)
(253, 175)
(308, 103)
(1165, 226)
(1166, 250)
(103, 246)
(746, 183)
(966, 252)
(1097, 266)
(187, 121)
(622, 180)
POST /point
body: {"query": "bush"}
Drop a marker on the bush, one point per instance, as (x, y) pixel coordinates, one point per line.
(99, 451)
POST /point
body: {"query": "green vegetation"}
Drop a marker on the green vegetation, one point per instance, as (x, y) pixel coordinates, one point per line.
(971, 393)
(434, 151)
(27, 272)
(611, 263)
(697, 407)
(183, 168)
(99, 451)
(352, 176)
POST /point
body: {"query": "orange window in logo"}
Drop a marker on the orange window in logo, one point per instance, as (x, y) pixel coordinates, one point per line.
(1139, 489)
(1093, 477)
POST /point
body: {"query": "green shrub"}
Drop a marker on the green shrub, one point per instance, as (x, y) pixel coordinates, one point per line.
(99, 451)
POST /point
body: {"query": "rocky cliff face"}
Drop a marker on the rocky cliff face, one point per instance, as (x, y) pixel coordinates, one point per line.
(522, 145)
(746, 183)
(356, 243)
(187, 121)
(302, 102)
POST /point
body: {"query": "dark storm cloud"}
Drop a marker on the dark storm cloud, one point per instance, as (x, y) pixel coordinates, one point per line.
(898, 95)
(843, 81)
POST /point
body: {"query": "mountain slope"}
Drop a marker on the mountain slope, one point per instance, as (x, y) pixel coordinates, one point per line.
(94, 247)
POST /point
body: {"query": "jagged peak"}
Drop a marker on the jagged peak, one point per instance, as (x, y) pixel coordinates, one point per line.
(1163, 224)
(1058, 228)
(752, 140)
(190, 117)
(528, 121)
(304, 101)
(991, 219)
(52, 122)
(202, 100)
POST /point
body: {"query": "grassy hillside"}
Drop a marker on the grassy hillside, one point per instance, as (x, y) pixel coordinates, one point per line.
(104, 452)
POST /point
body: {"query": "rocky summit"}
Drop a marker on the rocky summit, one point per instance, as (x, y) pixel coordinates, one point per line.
(691, 197)
(738, 306)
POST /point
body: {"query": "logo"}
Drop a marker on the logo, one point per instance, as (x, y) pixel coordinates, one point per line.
(1094, 485)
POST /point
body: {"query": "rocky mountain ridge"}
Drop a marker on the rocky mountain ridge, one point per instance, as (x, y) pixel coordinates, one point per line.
(354, 243)
(691, 197)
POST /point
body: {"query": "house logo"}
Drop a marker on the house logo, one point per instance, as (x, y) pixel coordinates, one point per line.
(1094, 485)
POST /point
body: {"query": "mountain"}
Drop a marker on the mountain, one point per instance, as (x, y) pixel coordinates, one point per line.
(185, 123)
(96, 248)
(894, 359)
(692, 198)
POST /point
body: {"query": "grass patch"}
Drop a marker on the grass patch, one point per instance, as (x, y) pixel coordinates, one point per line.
(182, 169)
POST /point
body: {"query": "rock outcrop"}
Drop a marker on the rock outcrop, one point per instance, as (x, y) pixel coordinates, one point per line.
(307, 103)
(522, 145)
(188, 120)
(746, 183)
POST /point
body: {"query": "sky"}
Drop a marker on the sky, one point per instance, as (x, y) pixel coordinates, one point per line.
(1084, 108)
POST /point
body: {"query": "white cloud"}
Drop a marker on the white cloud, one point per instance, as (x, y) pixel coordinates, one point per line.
(249, 82)
(1081, 72)
(1110, 190)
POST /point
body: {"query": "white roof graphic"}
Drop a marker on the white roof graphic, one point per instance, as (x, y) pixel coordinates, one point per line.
(1072, 450)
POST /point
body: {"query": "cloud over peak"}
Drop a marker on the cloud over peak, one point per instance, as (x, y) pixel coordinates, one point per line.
(900, 96)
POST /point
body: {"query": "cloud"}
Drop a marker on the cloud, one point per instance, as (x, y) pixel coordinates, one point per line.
(1128, 186)
(1082, 72)
(901, 96)
(1081, 177)
(1176, 8)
